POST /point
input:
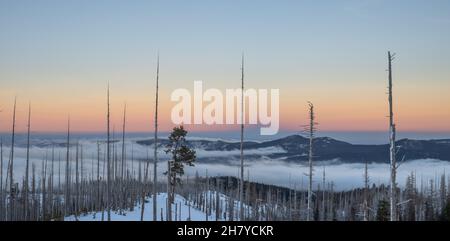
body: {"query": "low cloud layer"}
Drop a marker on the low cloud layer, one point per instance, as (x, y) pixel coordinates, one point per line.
(343, 175)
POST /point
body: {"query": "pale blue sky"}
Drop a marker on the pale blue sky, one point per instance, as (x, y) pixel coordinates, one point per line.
(312, 49)
(100, 34)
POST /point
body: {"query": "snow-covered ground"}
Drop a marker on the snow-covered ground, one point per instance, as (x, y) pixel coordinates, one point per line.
(135, 215)
(161, 199)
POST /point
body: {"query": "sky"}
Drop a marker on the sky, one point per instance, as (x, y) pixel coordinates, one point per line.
(61, 55)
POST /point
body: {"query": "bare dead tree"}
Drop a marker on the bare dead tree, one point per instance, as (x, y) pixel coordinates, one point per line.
(77, 181)
(114, 156)
(392, 151)
(1, 178)
(366, 193)
(169, 193)
(217, 199)
(206, 195)
(155, 147)
(25, 208)
(59, 171)
(11, 166)
(123, 142)
(311, 132)
(147, 165)
(43, 189)
(323, 194)
(33, 192)
(142, 205)
(51, 179)
(1, 182)
(123, 159)
(442, 193)
(98, 176)
(67, 177)
(241, 182)
(108, 171)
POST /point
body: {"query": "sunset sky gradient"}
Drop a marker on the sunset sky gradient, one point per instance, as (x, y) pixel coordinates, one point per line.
(60, 56)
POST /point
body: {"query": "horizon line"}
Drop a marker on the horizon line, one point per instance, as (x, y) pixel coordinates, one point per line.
(228, 131)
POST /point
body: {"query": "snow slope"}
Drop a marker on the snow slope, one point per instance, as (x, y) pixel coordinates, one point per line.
(135, 215)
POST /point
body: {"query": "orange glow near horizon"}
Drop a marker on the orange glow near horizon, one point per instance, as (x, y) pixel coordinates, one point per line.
(333, 114)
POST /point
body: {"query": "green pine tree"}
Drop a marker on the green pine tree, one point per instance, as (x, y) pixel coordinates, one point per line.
(181, 154)
(383, 211)
(445, 215)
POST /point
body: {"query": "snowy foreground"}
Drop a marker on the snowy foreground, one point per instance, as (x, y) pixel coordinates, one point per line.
(135, 215)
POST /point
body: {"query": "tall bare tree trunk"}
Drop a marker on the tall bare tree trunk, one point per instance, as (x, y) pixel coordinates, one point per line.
(77, 182)
(393, 166)
(122, 168)
(123, 142)
(108, 171)
(59, 172)
(67, 177)
(2, 201)
(217, 188)
(43, 189)
(98, 177)
(33, 192)
(51, 184)
(155, 148)
(206, 195)
(114, 157)
(25, 208)
(323, 195)
(11, 167)
(310, 163)
(366, 192)
(142, 205)
(169, 193)
(241, 181)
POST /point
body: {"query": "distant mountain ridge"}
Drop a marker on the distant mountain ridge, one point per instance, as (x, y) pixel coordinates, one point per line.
(295, 149)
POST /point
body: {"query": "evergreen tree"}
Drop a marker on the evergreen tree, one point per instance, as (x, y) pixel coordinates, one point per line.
(383, 211)
(445, 215)
(181, 155)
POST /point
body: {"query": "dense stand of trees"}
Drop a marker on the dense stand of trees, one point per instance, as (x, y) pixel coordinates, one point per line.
(219, 197)
(86, 190)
